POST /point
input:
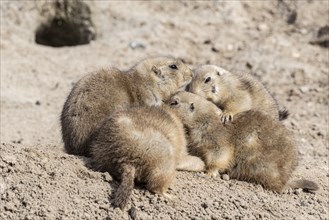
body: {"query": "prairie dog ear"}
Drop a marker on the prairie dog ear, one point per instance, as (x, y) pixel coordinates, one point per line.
(174, 103)
(156, 71)
(219, 73)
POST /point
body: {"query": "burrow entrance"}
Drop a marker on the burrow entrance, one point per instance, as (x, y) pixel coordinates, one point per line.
(67, 23)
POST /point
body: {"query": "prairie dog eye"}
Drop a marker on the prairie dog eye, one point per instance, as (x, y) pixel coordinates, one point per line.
(207, 80)
(173, 66)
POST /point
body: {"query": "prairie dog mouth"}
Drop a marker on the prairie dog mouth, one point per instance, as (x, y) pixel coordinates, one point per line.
(183, 87)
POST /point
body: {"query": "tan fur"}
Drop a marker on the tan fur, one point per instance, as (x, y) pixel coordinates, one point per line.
(233, 93)
(148, 140)
(98, 94)
(254, 147)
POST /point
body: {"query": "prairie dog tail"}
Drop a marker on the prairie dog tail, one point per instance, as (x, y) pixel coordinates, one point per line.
(126, 186)
(283, 114)
(304, 184)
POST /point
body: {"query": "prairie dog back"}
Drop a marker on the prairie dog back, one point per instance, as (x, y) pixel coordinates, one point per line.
(146, 144)
(255, 147)
(233, 93)
(98, 94)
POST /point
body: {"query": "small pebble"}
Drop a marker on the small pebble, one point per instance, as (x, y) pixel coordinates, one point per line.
(304, 89)
(9, 207)
(136, 45)
(262, 27)
(9, 159)
(298, 191)
(296, 55)
(303, 31)
(230, 47)
(132, 213)
(225, 177)
(28, 217)
(107, 177)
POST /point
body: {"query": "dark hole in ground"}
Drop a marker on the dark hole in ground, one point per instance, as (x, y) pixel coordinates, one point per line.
(71, 25)
(60, 32)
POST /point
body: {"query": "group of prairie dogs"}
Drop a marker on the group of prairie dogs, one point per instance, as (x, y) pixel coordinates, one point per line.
(160, 116)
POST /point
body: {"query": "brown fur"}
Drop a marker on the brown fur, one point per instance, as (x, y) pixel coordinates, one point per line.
(146, 144)
(233, 93)
(98, 94)
(254, 147)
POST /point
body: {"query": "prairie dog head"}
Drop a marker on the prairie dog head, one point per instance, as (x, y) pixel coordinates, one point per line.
(193, 109)
(169, 74)
(211, 82)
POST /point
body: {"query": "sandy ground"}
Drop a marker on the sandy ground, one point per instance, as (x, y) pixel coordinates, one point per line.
(40, 181)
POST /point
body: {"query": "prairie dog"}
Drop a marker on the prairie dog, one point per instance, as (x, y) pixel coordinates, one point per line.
(98, 94)
(233, 93)
(146, 144)
(254, 147)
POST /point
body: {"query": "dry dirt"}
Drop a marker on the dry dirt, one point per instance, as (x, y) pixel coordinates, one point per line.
(40, 181)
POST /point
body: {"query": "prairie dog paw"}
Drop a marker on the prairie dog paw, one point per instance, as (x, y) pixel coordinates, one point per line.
(212, 173)
(226, 118)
